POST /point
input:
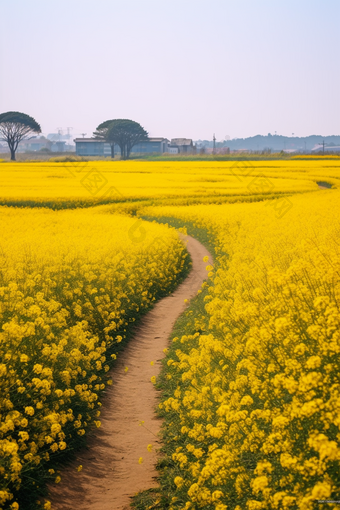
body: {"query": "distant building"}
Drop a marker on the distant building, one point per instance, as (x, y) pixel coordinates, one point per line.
(327, 148)
(183, 145)
(159, 145)
(94, 147)
(35, 144)
(218, 150)
(59, 146)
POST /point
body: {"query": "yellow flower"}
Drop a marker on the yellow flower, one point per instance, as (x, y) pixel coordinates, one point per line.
(178, 481)
(322, 490)
(55, 428)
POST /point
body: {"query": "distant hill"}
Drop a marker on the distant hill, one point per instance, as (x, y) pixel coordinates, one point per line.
(275, 143)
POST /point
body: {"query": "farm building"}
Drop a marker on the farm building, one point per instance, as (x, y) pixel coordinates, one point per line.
(182, 146)
(94, 147)
(152, 145)
(35, 144)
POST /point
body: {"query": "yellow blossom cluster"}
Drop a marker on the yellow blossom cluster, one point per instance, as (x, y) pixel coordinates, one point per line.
(72, 283)
(252, 401)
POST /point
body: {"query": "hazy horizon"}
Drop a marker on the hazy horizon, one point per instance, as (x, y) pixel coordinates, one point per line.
(181, 69)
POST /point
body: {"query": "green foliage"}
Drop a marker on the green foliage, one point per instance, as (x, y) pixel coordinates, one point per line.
(66, 159)
(20, 118)
(14, 127)
(123, 132)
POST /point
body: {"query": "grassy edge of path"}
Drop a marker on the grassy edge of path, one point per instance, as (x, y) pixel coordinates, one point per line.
(193, 320)
(160, 498)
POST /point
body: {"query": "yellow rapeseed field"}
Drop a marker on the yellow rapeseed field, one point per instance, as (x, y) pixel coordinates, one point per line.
(252, 420)
(251, 394)
(128, 180)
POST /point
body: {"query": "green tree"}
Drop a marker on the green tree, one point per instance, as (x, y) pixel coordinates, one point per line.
(14, 127)
(123, 132)
(101, 134)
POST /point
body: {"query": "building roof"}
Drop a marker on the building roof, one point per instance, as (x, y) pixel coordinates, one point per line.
(150, 139)
(88, 140)
(159, 139)
(35, 139)
(181, 141)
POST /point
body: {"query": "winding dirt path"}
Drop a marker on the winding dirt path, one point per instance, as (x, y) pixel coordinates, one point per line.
(111, 472)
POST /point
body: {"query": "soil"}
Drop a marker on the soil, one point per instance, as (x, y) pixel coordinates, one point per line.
(324, 185)
(111, 472)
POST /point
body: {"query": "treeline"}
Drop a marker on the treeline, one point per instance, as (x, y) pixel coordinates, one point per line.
(274, 142)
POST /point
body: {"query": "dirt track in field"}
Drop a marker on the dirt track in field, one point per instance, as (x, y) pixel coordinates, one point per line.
(111, 472)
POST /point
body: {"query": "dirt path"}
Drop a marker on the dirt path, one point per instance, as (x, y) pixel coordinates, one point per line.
(111, 472)
(322, 186)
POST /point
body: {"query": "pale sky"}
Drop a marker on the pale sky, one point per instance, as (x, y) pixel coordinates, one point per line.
(181, 68)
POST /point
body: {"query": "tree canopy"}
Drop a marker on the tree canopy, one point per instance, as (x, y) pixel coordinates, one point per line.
(14, 127)
(123, 132)
(101, 134)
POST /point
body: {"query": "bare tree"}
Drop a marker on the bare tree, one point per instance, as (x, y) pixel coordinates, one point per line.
(14, 127)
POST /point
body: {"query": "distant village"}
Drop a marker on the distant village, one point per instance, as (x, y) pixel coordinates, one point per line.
(59, 142)
(63, 142)
(95, 147)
